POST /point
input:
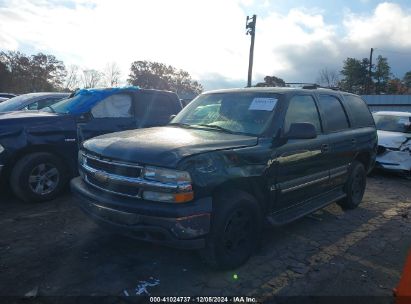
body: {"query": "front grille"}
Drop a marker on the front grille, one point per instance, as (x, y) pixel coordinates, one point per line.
(114, 168)
(113, 186)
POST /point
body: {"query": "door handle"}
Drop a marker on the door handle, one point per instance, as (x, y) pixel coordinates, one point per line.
(325, 148)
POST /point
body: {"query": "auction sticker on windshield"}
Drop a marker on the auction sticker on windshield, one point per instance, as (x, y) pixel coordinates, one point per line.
(263, 104)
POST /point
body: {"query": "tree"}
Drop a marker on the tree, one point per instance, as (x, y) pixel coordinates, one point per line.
(407, 80)
(381, 75)
(396, 86)
(112, 75)
(23, 74)
(271, 81)
(155, 75)
(72, 80)
(355, 75)
(328, 78)
(91, 78)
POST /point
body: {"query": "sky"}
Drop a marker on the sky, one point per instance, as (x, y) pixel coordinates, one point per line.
(294, 39)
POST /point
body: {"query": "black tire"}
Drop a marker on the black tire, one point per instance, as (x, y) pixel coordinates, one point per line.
(25, 169)
(354, 187)
(227, 245)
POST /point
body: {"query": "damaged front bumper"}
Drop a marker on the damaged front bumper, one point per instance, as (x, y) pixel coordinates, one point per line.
(182, 225)
(393, 160)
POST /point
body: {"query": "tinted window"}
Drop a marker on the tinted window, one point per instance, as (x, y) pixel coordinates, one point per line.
(358, 109)
(154, 109)
(334, 114)
(302, 109)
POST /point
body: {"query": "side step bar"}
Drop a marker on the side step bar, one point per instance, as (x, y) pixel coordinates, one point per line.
(287, 215)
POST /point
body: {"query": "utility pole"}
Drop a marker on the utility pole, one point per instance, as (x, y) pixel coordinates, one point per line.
(250, 30)
(369, 73)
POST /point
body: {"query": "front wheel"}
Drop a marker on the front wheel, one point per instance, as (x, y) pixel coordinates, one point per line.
(236, 224)
(355, 186)
(38, 177)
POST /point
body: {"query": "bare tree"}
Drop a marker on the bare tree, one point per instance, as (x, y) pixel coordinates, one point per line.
(72, 80)
(328, 78)
(112, 75)
(91, 78)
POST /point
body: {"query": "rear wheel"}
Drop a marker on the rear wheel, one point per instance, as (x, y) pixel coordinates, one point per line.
(235, 230)
(355, 186)
(38, 177)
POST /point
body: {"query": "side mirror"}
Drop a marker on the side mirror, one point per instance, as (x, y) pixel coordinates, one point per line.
(301, 130)
(85, 117)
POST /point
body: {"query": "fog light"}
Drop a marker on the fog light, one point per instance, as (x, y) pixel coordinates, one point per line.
(168, 197)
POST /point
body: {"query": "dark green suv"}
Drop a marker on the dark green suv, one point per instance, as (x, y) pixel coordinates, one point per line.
(229, 162)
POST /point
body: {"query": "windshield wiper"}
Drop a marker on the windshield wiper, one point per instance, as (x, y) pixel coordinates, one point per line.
(180, 124)
(216, 127)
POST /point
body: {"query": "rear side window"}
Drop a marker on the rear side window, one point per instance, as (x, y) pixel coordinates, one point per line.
(302, 108)
(333, 112)
(114, 106)
(361, 116)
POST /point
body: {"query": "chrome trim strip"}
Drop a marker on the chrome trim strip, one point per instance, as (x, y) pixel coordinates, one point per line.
(116, 163)
(109, 191)
(338, 174)
(304, 185)
(139, 182)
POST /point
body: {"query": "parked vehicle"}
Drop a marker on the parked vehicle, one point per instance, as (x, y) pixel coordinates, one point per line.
(38, 149)
(211, 181)
(3, 99)
(7, 95)
(32, 101)
(394, 141)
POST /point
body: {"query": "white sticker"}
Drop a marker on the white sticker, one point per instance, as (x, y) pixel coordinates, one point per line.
(263, 104)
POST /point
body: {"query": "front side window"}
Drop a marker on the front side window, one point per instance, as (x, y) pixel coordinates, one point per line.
(154, 108)
(302, 108)
(115, 106)
(334, 114)
(247, 113)
(393, 123)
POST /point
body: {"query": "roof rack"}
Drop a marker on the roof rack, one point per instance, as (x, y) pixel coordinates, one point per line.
(310, 86)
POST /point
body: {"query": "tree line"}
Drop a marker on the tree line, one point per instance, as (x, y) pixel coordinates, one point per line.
(356, 77)
(21, 73)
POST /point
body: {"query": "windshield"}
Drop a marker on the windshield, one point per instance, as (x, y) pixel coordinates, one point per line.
(246, 113)
(15, 103)
(393, 123)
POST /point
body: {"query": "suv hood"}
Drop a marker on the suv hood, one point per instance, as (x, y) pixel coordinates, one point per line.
(164, 146)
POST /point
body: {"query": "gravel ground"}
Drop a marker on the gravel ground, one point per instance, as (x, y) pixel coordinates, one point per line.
(52, 249)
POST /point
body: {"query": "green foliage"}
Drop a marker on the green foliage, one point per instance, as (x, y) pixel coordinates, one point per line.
(20, 73)
(271, 81)
(155, 75)
(355, 75)
(381, 75)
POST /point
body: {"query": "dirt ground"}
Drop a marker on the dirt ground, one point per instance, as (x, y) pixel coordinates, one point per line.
(52, 249)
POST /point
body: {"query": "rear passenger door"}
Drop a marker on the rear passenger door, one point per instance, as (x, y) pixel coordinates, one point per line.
(341, 137)
(302, 163)
(154, 109)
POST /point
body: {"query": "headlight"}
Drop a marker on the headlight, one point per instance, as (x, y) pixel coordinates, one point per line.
(166, 175)
(1, 149)
(168, 197)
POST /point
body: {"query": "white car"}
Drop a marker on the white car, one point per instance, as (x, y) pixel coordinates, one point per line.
(394, 141)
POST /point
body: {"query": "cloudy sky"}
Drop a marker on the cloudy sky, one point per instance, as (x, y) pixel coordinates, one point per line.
(294, 39)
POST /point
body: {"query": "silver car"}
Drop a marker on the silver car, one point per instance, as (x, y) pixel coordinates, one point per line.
(394, 141)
